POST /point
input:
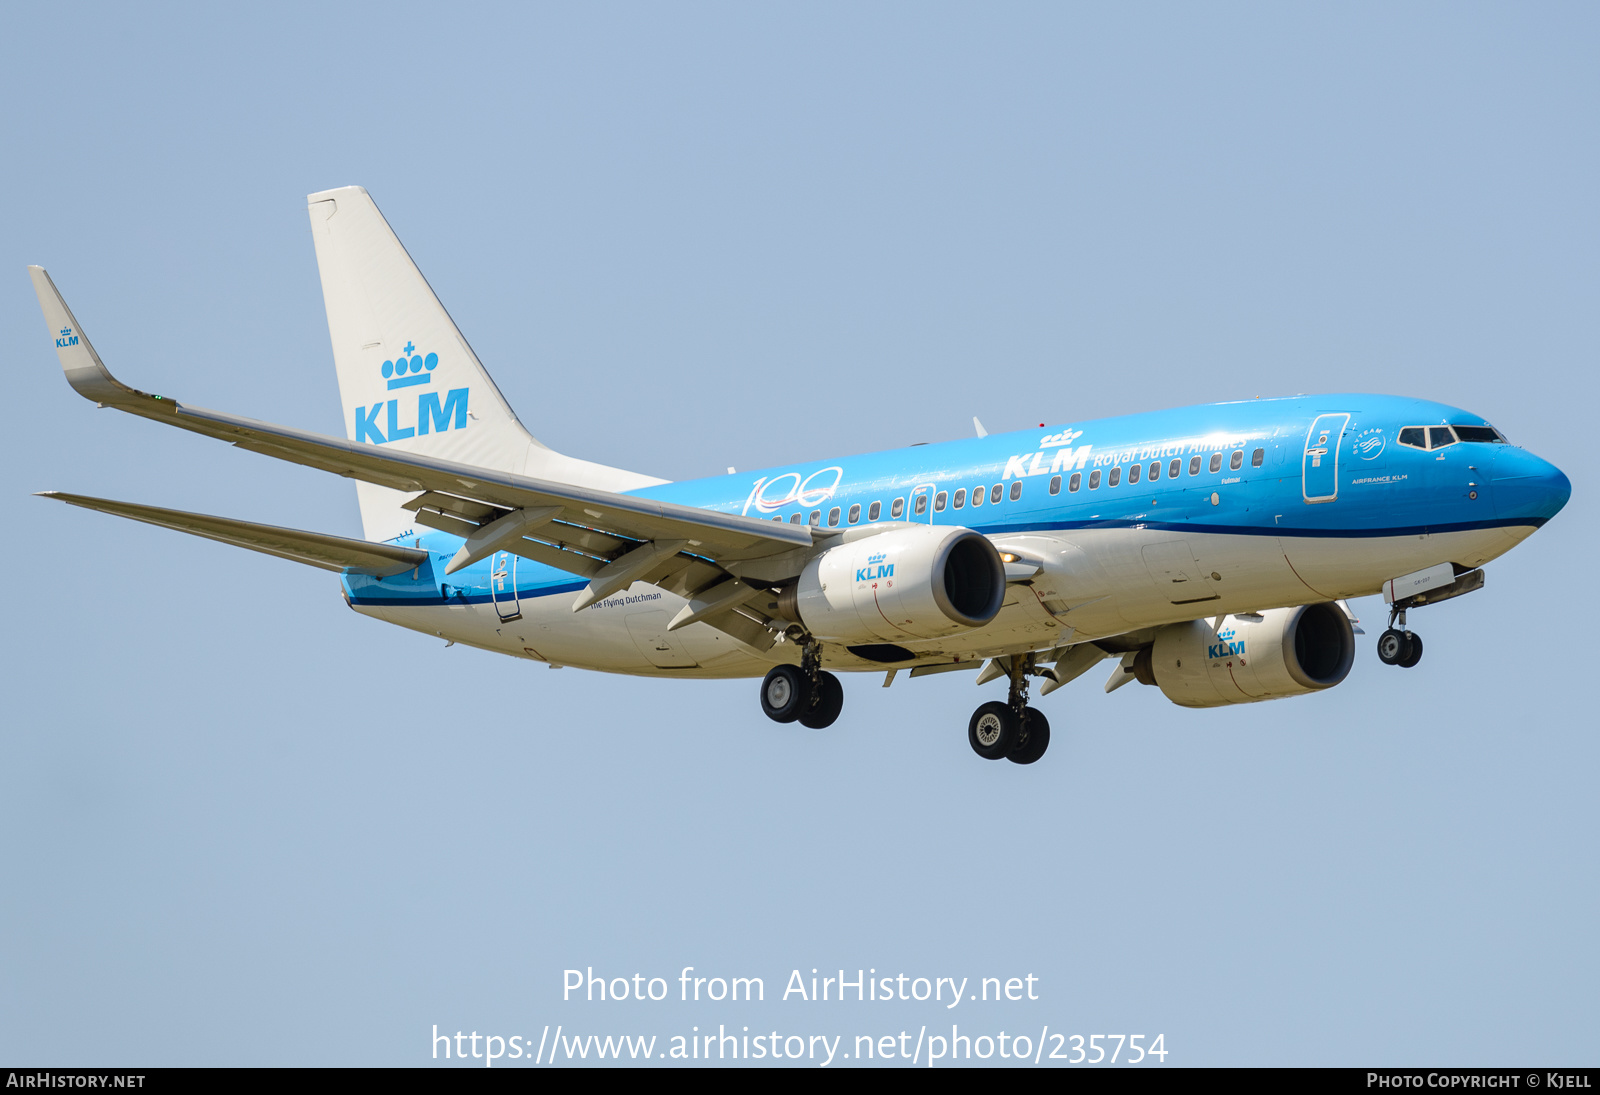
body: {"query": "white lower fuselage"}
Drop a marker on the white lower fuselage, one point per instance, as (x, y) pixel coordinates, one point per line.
(1096, 583)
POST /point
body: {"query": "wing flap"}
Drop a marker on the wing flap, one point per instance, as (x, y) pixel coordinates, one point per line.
(318, 549)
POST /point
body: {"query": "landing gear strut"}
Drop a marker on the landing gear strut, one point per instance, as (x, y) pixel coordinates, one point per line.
(1399, 646)
(1012, 730)
(806, 693)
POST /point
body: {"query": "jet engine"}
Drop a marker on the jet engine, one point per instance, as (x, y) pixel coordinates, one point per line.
(923, 582)
(1252, 657)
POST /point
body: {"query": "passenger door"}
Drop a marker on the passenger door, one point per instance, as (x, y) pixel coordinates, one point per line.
(1319, 471)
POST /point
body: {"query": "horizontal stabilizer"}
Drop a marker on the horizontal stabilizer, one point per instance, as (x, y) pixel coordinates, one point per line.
(316, 549)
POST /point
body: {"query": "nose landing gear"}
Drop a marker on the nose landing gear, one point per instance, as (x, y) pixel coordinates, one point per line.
(1399, 646)
(1011, 730)
(806, 693)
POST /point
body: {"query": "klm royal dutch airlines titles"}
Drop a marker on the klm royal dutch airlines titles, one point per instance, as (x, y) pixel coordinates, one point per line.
(1207, 551)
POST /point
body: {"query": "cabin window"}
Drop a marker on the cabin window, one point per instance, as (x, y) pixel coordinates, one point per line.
(1155, 471)
(855, 513)
(794, 518)
(833, 517)
(1094, 479)
(995, 492)
(1016, 490)
(1439, 437)
(1414, 436)
(1133, 473)
(779, 518)
(1236, 461)
(1173, 468)
(977, 496)
(939, 502)
(873, 511)
(1055, 484)
(1257, 457)
(960, 499)
(920, 506)
(816, 517)
(897, 508)
(1480, 433)
(1216, 462)
(1075, 482)
(1116, 476)
(1194, 465)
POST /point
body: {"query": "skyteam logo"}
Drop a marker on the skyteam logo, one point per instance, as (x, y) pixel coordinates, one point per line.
(1369, 443)
(875, 568)
(66, 338)
(1226, 647)
(427, 415)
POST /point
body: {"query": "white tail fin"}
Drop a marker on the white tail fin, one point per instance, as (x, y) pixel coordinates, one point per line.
(407, 378)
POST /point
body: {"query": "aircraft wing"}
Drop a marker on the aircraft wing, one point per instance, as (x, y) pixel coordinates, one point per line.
(595, 533)
(314, 548)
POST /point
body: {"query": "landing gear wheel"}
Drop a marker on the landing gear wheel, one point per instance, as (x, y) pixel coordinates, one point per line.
(784, 693)
(1034, 741)
(1413, 653)
(1392, 647)
(829, 702)
(992, 731)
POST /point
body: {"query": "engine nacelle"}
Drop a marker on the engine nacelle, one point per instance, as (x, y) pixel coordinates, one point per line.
(1283, 652)
(924, 582)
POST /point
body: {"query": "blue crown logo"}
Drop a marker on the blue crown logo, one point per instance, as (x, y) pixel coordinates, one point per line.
(406, 371)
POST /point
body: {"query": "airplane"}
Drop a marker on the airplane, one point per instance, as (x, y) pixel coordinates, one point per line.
(1207, 551)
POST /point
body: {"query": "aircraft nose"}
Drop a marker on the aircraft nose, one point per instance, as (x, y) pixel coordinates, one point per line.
(1527, 487)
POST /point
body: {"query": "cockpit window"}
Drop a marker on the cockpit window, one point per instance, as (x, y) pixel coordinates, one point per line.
(1480, 433)
(1439, 437)
(1415, 436)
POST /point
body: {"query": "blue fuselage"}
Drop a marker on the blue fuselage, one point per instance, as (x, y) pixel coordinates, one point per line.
(1336, 466)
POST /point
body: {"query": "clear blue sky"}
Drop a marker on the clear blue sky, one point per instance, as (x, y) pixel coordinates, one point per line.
(243, 825)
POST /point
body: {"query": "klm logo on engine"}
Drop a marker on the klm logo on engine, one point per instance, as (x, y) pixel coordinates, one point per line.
(66, 338)
(399, 418)
(1227, 647)
(875, 568)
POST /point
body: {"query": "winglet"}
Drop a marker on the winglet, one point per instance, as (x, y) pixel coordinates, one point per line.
(85, 371)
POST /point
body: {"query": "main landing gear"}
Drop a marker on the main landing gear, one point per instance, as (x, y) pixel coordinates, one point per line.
(1399, 646)
(806, 693)
(1012, 730)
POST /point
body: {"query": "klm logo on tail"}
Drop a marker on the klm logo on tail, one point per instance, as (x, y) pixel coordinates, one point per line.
(67, 338)
(411, 370)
